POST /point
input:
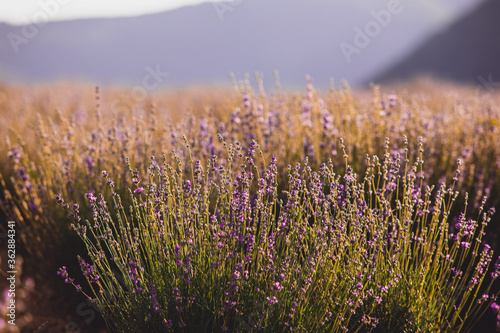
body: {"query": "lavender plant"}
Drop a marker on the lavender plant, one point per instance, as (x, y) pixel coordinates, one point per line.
(203, 247)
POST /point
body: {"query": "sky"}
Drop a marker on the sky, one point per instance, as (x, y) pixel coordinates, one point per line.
(29, 11)
(19, 12)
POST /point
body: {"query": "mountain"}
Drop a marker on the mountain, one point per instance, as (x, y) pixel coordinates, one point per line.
(201, 44)
(467, 51)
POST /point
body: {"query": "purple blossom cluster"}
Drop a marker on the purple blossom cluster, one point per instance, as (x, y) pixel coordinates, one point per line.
(133, 273)
(88, 271)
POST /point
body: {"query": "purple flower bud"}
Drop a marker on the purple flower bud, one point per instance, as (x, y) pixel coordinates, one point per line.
(495, 307)
(272, 300)
(89, 161)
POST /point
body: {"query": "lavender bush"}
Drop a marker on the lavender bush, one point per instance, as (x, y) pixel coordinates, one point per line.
(209, 250)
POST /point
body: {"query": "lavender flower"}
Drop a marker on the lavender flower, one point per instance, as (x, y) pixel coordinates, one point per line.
(64, 274)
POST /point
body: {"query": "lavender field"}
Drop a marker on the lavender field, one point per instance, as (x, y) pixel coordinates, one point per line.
(250, 209)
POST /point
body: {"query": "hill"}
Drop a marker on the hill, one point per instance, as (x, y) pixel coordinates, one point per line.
(467, 51)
